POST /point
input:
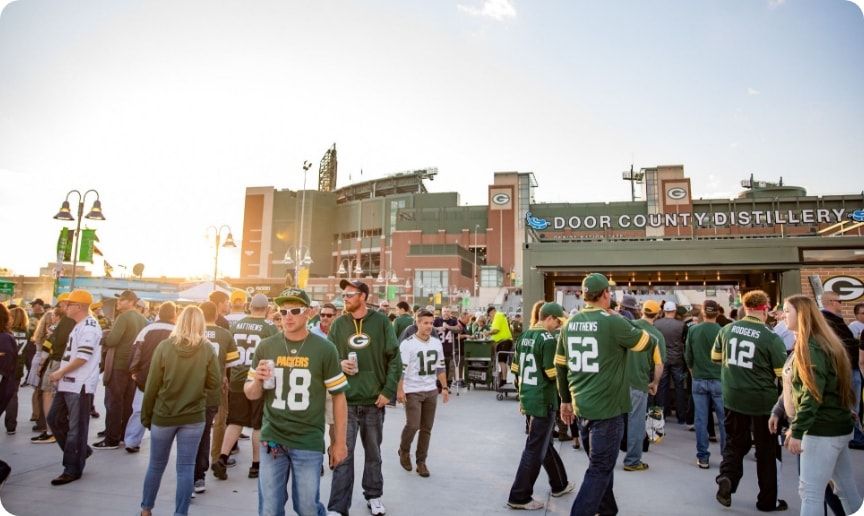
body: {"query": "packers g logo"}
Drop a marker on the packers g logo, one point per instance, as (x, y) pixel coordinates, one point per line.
(359, 341)
(676, 193)
(847, 288)
(500, 198)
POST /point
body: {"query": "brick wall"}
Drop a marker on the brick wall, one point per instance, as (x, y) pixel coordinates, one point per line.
(829, 272)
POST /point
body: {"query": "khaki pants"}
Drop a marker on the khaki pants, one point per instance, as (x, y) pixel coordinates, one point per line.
(219, 427)
(419, 415)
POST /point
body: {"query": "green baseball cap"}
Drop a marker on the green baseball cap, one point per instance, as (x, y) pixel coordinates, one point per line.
(595, 283)
(553, 309)
(293, 294)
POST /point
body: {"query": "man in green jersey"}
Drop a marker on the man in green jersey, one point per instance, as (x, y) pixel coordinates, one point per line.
(638, 371)
(306, 367)
(404, 319)
(534, 366)
(242, 411)
(374, 377)
(752, 358)
(707, 390)
(217, 399)
(591, 363)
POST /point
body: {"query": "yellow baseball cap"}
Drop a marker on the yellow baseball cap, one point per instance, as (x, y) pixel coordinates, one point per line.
(238, 295)
(80, 296)
(63, 297)
(651, 306)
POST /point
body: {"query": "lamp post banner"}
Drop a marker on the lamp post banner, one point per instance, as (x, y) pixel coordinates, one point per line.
(64, 245)
(88, 239)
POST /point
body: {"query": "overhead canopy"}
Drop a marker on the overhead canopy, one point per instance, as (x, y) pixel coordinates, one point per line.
(200, 292)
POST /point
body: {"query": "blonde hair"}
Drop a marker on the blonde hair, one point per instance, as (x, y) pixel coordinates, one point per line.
(811, 323)
(190, 326)
(20, 321)
(535, 312)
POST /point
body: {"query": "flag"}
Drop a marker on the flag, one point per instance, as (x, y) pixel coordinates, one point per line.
(107, 267)
(87, 242)
(64, 245)
(302, 277)
(392, 292)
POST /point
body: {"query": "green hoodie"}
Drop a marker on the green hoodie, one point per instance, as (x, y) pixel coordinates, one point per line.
(378, 360)
(179, 375)
(827, 418)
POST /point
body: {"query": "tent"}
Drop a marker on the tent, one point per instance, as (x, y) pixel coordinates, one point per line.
(200, 292)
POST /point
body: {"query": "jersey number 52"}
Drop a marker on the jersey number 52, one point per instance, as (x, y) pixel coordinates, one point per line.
(583, 354)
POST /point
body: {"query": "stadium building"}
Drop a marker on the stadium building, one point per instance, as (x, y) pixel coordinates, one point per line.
(426, 247)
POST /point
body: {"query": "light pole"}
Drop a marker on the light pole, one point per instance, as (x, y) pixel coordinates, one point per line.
(357, 270)
(476, 227)
(299, 258)
(217, 240)
(306, 166)
(65, 213)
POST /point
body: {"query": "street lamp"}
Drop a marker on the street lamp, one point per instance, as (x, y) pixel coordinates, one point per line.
(295, 257)
(217, 240)
(306, 166)
(476, 227)
(357, 270)
(65, 213)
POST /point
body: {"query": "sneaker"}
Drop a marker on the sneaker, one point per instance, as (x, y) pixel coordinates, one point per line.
(569, 488)
(576, 444)
(220, 470)
(64, 479)
(691, 428)
(253, 472)
(199, 486)
(43, 438)
(702, 463)
(724, 491)
(375, 506)
(231, 462)
(422, 470)
(533, 505)
(133, 449)
(405, 460)
(105, 444)
(636, 467)
(242, 436)
(10, 431)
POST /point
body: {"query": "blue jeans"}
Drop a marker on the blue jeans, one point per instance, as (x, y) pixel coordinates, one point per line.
(679, 376)
(161, 439)
(538, 452)
(857, 434)
(824, 459)
(636, 426)
(602, 439)
(368, 421)
(134, 428)
(277, 465)
(69, 420)
(706, 393)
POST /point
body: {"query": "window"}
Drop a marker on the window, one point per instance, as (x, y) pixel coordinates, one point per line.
(430, 282)
(491, 277)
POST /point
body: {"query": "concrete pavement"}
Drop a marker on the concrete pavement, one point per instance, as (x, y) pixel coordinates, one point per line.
(476, 445)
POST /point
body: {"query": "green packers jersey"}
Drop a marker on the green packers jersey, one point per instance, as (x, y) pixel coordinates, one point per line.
(592, 362)
(751, 356)
(305, 372)
(247, 333)
(697, 353)
(534, 366)
(639, 363)
(226, 351)
(402, 322)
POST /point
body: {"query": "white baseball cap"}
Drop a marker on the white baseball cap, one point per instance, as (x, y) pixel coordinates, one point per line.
(669, 306)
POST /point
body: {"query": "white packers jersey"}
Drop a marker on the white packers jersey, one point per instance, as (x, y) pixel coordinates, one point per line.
(421, 363)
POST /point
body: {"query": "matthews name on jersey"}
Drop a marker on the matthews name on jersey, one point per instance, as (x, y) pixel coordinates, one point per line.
(305, 372)
(534, 365)
(592, 362)
(751, 357)
(421, 362)
(247, 332)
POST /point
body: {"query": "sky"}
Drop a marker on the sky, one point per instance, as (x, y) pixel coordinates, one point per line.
(171, 109)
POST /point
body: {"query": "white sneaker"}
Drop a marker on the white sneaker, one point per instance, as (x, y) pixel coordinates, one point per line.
(569, 488)
(375, 506)
(200, 487)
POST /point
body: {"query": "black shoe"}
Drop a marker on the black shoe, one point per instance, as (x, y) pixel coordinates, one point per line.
(64, 479)
(781, 506)
(105, 444)
(10, 431)
(43, 438)
(253, 472)
(102, 433)
(855, 446)
(724, 491)
(576, 444)
(133, 449)
(94, 414)
(220, 470)
(5, 470)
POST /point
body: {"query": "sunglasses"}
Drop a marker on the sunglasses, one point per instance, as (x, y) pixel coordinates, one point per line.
(327, 315)
(292, 311)
(349, 295)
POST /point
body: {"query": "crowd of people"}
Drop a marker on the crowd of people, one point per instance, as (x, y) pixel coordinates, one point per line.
(308, 379)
